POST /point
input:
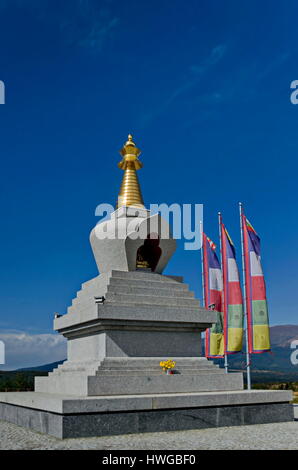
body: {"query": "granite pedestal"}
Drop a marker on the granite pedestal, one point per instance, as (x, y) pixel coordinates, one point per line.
(119, 327)
(112, 383)
(65, 416)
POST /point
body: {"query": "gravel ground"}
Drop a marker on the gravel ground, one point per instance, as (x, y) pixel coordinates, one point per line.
(261, 436)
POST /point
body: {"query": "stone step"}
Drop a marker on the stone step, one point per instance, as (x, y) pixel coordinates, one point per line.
(141, 283)
(130, 372)
(150, 372)
(163, 383)
(145, 276)
(72, 384)
(92, 291)
(150, 300)
(128, 281)
(73, 372)
(152, 362)
(75, 369)
(74, 366)
(83, 298)
(115, 368)
(196, 315)
(86, 364)
(157, 367)
(155, 291)
(89, 308)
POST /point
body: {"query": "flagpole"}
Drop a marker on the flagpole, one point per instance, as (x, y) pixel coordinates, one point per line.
(202, 268)
(202, 263)
(245, 306)
(223, 290)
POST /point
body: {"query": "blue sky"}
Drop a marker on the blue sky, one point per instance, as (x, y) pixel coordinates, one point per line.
(203, 86)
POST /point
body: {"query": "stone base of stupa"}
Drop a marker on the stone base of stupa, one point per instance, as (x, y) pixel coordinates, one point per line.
(112, 382)
(76, 416)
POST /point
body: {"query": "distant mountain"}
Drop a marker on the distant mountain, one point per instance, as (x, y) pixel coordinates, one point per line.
(44, 368)
(275, 365)
(283, 335)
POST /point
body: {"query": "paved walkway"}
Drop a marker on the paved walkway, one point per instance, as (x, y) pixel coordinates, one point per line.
(260, 436)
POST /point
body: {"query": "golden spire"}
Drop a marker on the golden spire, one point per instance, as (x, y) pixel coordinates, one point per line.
(130, 191)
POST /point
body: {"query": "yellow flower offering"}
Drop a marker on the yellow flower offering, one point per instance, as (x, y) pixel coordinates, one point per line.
(168, 364)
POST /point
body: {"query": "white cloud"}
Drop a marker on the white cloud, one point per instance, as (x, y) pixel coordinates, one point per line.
(97, 33)
(82, 23)
(23, 349)
(214, 57)
(193, 76)
(197, 71)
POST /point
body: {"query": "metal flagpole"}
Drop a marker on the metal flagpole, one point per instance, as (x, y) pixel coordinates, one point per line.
(202, 267)
(223, 290)
(244, 292)
(202, 262)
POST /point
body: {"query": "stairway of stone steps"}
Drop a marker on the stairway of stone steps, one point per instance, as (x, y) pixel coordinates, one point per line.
(150, 367)
(137, 367)
(150, 372)
(152, 362)
(144, 274)
(89, 368)
(135, 288)
(162, 291)
(116, 298)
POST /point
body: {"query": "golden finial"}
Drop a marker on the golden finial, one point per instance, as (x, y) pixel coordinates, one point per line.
(130, 153)
(130, 141)
(130, 192)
